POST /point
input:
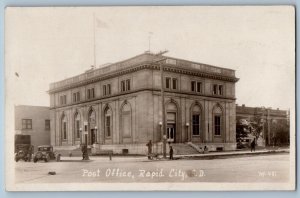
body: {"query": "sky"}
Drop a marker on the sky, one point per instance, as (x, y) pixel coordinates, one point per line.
(44, 45)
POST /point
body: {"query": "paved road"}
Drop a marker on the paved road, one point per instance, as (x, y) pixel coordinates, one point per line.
(258, 168)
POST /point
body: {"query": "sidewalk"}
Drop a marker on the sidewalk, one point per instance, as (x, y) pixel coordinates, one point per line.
(211, 155)
(231, 153)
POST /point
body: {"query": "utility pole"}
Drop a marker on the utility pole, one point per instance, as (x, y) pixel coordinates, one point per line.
(164, 136)
(94, 26)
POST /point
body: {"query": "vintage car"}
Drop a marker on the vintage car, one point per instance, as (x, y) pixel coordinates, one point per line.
(23, 152)
(23, 147)
(46, 153)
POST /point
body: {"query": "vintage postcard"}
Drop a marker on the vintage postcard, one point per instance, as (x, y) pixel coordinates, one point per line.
(168, 98)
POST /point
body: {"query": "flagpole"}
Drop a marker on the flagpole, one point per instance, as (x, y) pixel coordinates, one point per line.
(94, 39)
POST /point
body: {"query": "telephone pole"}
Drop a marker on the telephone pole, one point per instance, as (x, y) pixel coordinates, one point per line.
(164, 136)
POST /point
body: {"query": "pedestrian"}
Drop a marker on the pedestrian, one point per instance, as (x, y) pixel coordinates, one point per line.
(171, 153)
(253, 145)
(149, 145)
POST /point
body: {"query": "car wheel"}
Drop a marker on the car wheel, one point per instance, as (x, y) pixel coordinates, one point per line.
(17, 159)
(35, 160)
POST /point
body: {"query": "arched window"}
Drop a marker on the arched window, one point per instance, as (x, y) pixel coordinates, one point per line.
(196, 120)
(77, 125)
(64, 127)
(108, 122)
(217, 119)
(126, 120)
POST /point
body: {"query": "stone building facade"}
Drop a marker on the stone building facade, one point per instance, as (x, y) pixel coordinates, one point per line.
(120, 106)
(33, 121)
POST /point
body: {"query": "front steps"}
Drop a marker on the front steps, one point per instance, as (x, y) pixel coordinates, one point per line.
(184, 149)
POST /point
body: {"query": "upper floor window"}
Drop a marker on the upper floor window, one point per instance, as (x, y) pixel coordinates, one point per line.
(196, 86)
(106, 89)
(26, 123)
(218, 89)
(168, 83)
(63, 99)
(47, 124)
(171, 83)
(76, 97)
(90, 93)
(125, 85)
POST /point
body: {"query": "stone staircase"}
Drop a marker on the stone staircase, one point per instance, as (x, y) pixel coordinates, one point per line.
(184, 149)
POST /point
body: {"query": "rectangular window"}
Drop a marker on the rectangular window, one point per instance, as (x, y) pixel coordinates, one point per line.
(196, 124)
(107, 126)
(174, 83)
(26, 123)
(90, 93)
(199, 87)
(104, 90)
(220, 90)
(93, 93)
(108, 89)
(128, 85)
(47, 124)
(168, 83)
(123, 86)
(63, 99)
(217, 125)
(193, 86)
(215, 89)
(78, 96)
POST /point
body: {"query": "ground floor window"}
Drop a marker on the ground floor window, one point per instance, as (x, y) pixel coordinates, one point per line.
(64, 130)
(196, 124)
(217, 123)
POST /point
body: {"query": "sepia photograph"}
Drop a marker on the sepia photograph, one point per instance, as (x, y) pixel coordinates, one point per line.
(148, 98)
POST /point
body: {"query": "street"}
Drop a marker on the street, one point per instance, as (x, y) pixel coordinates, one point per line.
(257, 168)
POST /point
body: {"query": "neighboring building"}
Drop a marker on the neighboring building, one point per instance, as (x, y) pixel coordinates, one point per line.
(33, 121)
(120, 106)
(270, 117)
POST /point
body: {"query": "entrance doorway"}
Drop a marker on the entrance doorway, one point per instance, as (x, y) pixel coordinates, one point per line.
(171, 132)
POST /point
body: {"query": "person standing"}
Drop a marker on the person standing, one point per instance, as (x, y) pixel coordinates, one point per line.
(171, 153)
(253, 145)
(149, 145)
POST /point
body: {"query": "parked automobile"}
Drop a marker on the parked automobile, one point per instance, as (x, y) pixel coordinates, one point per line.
(46, 153)
(23, 148)
(24, 152)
